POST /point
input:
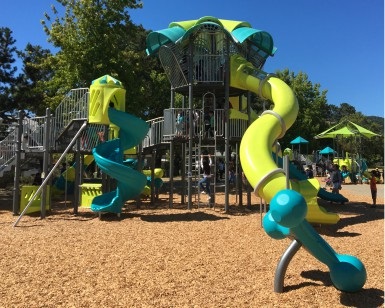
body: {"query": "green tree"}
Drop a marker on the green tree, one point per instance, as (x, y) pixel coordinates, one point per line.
(30, 91)
(312, 108)
(97, 37)
(7, 71)
(346, 110)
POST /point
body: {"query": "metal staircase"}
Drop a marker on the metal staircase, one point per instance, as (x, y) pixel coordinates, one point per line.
(64, 125)
(8, 151)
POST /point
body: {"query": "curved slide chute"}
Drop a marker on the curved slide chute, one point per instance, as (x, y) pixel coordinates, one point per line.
(267, 178)
(310, 189)
(288, 208)
(109, 158)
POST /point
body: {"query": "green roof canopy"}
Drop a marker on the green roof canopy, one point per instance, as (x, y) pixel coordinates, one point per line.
(162, 37)
(240, 31)
(107, 79)
(346, 129)
(261, 39)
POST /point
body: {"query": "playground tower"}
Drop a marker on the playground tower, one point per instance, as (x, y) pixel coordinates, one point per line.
(195, 55)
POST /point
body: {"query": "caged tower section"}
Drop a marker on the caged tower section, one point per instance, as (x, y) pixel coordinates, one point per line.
(214, 114)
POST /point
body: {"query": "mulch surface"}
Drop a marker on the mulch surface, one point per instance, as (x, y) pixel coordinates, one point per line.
(156, 256)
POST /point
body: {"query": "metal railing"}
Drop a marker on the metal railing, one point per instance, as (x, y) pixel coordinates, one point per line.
(208, 68)
(237, 127)
(33, 134)
(155, 132)
(92, 136)
(74, 106)
(8, 150)
(175, 123)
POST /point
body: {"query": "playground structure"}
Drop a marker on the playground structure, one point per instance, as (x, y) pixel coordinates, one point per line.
(94, 122)
(216, 61)
(354, 164)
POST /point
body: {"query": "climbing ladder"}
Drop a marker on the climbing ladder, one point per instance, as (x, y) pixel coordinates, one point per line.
(195, 168)
(207, 145)
(208, 148)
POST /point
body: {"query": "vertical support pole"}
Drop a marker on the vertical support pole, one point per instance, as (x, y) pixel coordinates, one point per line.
(227, 132)
(81, 180)
(190, 148)
(291, 250)
(171, 176)
(190, 141)
(140, 169)
(172, 98)
(78, 173)
(286, 166)
(238, 179)
(183, 174)
(248, 124)
(16, 186)
(153, 159)
(46, 159)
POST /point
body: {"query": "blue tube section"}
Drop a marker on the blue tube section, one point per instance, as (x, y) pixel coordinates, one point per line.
(109, 158)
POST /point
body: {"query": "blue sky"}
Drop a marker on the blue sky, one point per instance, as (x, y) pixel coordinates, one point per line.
(337, 43)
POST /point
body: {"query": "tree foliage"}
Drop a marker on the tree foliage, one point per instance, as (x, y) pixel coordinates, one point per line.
(313, 107)
(97, 37)
(31, 91)
(7, 70)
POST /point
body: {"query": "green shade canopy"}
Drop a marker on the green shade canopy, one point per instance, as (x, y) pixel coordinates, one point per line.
(344, 132)
(346, 129)
(361, 130)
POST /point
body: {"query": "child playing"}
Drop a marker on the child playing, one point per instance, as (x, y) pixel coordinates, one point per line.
(328, 181)
(206, 164)
(179, 124)
(373, 187)
(336, 178)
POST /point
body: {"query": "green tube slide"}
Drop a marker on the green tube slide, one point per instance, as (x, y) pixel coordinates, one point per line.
(109, 158)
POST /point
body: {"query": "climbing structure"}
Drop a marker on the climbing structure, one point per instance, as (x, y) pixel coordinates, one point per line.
(196, 56)
(214, 62)
(225, 58)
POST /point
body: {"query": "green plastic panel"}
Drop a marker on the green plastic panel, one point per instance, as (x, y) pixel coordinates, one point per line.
(162, 37)
(181, 30)
(261, 39)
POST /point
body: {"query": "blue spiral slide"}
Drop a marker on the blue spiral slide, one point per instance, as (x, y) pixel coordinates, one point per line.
(109, 158)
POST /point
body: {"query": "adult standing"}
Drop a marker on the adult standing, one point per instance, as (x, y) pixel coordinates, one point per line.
(373, 187)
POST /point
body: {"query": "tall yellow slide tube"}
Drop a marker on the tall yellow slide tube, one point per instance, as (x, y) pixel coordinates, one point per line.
(258, 141)
(266, 177)
(287, 206)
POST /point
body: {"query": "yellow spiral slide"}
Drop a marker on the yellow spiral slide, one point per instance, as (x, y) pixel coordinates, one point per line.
(258, 141)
